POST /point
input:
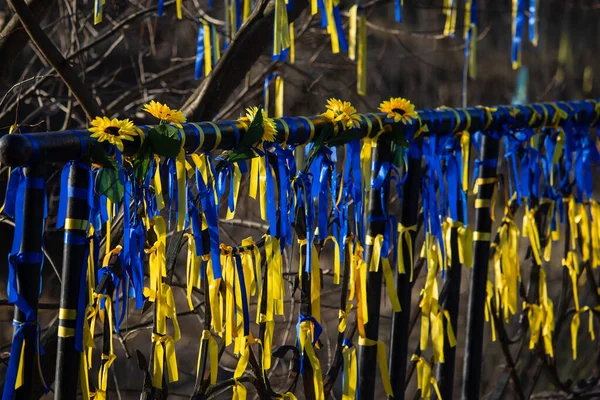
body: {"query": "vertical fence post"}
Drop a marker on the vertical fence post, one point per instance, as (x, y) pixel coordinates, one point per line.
(400, 320)
(445, 372)
(73, 277)
(28, 264)
(367, 355)
(481, 250)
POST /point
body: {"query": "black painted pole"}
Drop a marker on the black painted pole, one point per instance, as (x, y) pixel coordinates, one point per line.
(367, 355)
(400, 320)
(479, 273)
(445, 371)
(28, 273)
(74, 258)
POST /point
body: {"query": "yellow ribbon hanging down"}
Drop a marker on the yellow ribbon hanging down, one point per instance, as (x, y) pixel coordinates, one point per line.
(450, 12)
(331, 28)
(464, 241)
(110, 357)
(424, 378)
(214, 298)
(575, 327)
(98, 8)
(582, 220)
(509, 270)
(158, 258)
(292, 45)
(360, 271)
(543, 317)
(192, 269)
(336, 258)
(530, 230)
(361, 65)
(268, 344)
(213, 354)
(164, 345)
(160, 202)
(350, 370)
(595, 210)
(315, 286)
(247, 9)
(352, 29)
(281, 33)
(489, 317)
(165, 308)
(239, 390)
(404, 236)
(306, 347)
(229, 280)
(382, 359)
(237, 177)
(207, 50)
(181, 186)
(249, 266)
(178, 9)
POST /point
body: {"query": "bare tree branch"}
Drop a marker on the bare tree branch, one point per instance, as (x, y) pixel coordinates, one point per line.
(81, 92)
(243, 51)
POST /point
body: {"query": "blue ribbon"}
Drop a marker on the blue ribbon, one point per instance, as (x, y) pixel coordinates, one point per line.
(210, 212)
(318, 329)
(199, 53)
(15, 357)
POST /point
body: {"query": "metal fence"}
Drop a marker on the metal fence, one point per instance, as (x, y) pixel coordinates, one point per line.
(432, 181)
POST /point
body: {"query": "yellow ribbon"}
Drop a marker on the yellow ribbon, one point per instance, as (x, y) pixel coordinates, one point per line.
(404, 236)
(352, 29)
(213, 354)
(582, 220)
(361, 65)
(595, 232)
(306, 347)
(336, 259)
(424, 378)
(530, 230)
(350, 370)
(192, 269)
(575, 327)
(164, 345)
(343, 316)
(382, 359)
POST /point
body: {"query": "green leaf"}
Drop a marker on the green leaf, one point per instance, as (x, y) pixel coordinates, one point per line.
(164, 140)
(108, 184)
(399, 157)
(142, 161)
(240, 154)
(255, 131)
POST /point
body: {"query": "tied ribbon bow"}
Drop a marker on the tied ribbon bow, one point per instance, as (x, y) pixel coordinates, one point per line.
(14, 375)
(349, 373)
(343, 316)
(464, 241)
(405, 237)
(377, 254)
(530, 230)
(424, 378)
(309, 331)
(164, 345)
(382, 359)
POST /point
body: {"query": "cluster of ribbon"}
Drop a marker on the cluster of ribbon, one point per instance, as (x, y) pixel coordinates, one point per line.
(548, 171)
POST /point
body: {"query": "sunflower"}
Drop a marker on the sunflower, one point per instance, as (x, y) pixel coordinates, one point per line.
(268, 123)
(164, 113)
(400, 109)
(338, 110)
(113, 131)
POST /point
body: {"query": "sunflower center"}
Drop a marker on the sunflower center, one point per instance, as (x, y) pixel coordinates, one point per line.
(112, 130)
(398, 111)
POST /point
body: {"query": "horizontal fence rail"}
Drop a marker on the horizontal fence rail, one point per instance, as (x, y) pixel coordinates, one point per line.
(375, 253)
(16, 150)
